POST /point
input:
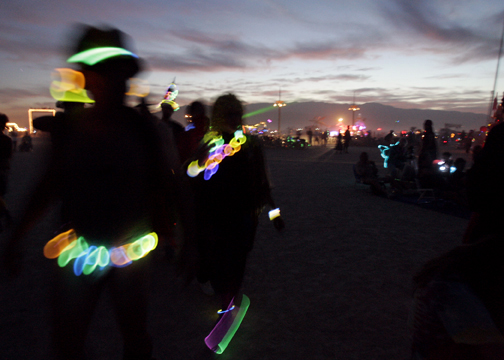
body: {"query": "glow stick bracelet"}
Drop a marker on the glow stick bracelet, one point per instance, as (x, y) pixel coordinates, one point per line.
(67, 247)
(225, 311)
(274, 213)
(223, 332)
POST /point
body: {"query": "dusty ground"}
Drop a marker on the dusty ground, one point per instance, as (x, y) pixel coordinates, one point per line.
(336, 284)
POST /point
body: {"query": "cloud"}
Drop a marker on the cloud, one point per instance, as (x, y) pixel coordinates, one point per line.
(11, 95)
(438, 33)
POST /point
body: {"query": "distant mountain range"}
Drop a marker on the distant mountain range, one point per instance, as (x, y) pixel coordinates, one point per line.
(374, 116)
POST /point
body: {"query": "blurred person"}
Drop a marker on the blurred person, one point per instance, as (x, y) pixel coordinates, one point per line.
(5, 154)
(229, 204)
(113, 177)
(339, 143)
(485, 189)
(428, 148)
(347, 138)
(26, 142)
(197, 127)
(14, 137)
(389, 138)
(368, 171)
(5, 158)
(309, 132)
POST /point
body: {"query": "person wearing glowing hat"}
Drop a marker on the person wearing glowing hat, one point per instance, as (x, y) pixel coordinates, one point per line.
(111, 173)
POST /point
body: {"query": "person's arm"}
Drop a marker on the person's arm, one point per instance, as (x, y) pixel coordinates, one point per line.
(38, 203)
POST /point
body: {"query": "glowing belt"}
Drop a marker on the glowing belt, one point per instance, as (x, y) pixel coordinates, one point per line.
(67, 246)
(93, 56)
(217, 154)
(224, 330)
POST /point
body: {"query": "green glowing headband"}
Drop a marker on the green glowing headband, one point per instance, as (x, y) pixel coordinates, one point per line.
(93, 56)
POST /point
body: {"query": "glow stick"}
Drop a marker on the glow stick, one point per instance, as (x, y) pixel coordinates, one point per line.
(223, 332)
(67, 247)
(55, 247)
(138, 87)
(274, 213)
(217, 153)
(93, 56)
(68, 85)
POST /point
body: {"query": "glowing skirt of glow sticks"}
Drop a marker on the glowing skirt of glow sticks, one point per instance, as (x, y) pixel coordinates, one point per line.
(224, 330)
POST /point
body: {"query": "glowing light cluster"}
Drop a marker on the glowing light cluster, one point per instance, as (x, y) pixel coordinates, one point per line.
(273, 214)
(218, 152)
(223, 332)
(68, 85)
(67, 247)
(94, 56)
(170, 96)
(138, 87)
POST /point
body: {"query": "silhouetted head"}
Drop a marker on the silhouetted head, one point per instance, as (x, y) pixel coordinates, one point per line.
(104, 60)
(428, 125)
(167, 110)
(227, 113)
(364, 157)
(196, 109)
(197, 112)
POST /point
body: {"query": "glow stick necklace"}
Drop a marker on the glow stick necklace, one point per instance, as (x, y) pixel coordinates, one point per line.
(67, 246)
(217, 154)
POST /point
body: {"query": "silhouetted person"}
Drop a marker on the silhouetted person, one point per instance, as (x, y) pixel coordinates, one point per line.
(368, 171)
(429, 145)
(389, 138)
(197, 126)
(485, 189)
(26, 143)
(468, 140)
(5, 154)
(112, 174)
(310, 136)
(14, 137)
(227, 215)
(347, 137)
(5, 158)
(339, 143)
(323, 137)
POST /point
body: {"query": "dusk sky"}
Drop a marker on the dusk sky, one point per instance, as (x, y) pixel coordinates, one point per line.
(409, 54)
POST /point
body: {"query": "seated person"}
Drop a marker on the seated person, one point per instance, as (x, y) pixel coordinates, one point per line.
(368, 171)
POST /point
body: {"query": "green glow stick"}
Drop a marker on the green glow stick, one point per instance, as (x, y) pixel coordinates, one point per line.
(234, 326)
(93, 56)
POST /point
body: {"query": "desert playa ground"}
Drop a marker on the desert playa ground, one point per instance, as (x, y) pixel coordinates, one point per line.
(335, 284)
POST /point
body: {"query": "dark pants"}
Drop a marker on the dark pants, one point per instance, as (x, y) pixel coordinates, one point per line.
(74, 301)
